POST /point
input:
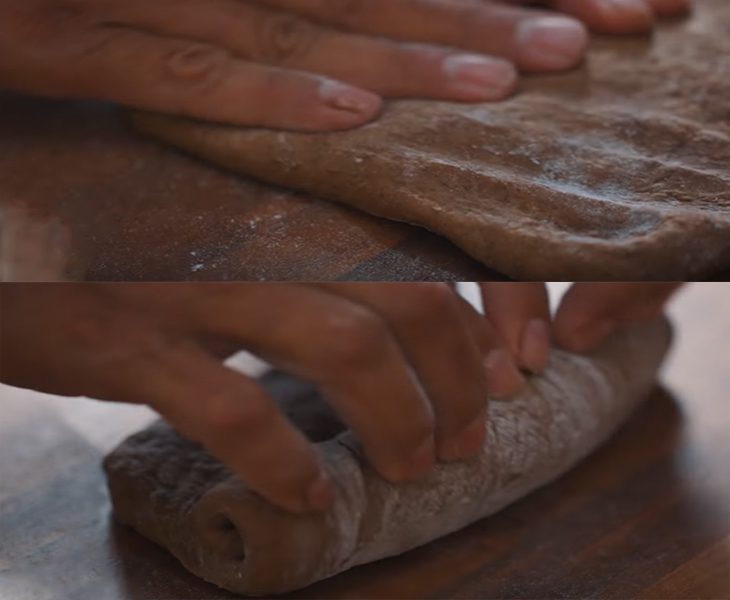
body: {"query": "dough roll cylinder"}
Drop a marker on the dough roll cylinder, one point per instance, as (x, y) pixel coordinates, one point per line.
(171, 491)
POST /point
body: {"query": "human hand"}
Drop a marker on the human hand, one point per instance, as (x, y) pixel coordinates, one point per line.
(619, 16)
(402, 364)
(311, 65)
(588, 313)
(294, 64)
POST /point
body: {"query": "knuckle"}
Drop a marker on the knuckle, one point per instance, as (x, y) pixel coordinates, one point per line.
(355, 340)
(203, 65)
(282, 38)
(432, 300)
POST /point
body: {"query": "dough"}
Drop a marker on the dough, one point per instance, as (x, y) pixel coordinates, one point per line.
(171, 491)
(617, 171)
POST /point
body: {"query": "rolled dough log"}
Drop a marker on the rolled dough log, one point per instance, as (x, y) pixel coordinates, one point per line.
(618, 171)
(173, 492)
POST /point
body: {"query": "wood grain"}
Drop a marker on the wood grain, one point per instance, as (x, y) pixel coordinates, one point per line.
(648, 516)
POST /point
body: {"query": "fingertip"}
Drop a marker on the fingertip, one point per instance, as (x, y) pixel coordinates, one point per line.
(417, 465)
(343, 106)
(320, 494)
(552, 43)
(466, 443)
(535, 346)
(621, 16)
(477, 78)
(503, 376)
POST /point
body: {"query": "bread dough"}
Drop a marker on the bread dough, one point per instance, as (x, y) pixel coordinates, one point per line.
(618, 171)
(173, 492)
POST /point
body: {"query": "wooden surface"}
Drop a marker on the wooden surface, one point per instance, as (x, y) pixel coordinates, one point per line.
(134, 210)
(646, 516)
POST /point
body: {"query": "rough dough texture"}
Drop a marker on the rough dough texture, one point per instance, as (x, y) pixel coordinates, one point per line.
(171, 491)
(618, 171)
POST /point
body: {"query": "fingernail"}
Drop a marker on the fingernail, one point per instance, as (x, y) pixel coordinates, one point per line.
(503, 377)
(341, 96)
(535, 346)
(321, 493)
(476, 77)
(469, 442)
(589, 336)
(552, 43)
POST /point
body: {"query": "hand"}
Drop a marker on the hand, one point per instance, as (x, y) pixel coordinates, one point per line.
(620, 16)
(590, 312)
(519, 313)
(403, 365)
(295, 64)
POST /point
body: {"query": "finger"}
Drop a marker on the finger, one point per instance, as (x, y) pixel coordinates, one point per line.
(609, 16)
(233, 418)
(671, 8)
(204, 81)
(428, 323)
(504, 378)
(619, 16)
(343, 348)
(589, 312)
(387, 67)
(533, 40)
(649, 303)
(520, 312)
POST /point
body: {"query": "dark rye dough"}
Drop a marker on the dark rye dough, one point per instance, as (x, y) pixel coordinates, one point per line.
(620, 170)
(173, 492)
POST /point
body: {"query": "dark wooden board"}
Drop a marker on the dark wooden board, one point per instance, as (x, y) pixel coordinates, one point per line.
(647, 516)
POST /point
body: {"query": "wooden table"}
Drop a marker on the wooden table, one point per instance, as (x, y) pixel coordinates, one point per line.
(646, 516)
(135, 210)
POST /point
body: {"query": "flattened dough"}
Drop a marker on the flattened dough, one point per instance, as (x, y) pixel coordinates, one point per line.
(618, 171)
(174, 493)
